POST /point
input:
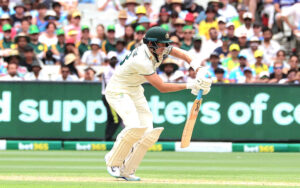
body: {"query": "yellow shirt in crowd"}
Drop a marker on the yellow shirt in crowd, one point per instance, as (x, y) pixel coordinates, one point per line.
(259, 68)
(205, 26)
(230, 64)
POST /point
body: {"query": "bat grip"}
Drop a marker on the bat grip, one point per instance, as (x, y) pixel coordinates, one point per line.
(199, 94)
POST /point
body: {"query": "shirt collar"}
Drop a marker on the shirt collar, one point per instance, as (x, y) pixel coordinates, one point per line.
(148, 53)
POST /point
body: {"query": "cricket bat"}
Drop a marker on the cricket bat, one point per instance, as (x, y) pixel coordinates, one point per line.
(190, 123)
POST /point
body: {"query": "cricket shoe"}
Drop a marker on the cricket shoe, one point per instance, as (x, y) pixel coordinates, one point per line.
(106, 157)
(114, 171)
(130, 177)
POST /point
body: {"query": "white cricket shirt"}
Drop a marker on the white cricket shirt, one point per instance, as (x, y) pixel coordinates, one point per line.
(130, 74)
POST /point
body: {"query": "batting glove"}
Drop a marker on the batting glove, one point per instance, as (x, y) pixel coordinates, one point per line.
(200, 83)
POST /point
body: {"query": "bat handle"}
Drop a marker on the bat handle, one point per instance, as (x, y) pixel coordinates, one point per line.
(199, 94)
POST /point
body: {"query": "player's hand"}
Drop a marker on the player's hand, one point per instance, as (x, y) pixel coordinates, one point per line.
(204, 84)
(201, 82)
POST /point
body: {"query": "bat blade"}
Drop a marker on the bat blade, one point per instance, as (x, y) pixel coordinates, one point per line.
(190, 123)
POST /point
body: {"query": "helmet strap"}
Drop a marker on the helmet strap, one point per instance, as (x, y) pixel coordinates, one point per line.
(153, 47)
(154, 54)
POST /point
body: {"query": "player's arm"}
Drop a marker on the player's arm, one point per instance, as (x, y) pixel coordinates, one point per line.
(179, 53)
(200, 83)
(157, 82)
(182, 54)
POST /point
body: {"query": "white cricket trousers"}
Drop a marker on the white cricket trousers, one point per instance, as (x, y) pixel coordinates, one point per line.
(132, 107)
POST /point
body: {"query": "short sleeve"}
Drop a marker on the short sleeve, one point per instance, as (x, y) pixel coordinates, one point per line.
(144, 68)
(84, 58)
(201, 28)
(103, 56)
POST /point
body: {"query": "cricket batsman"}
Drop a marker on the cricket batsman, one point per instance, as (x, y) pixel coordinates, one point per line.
(125, 95)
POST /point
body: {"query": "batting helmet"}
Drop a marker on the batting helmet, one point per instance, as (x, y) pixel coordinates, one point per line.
(157, 34)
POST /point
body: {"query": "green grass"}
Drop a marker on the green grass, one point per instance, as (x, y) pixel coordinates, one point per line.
(159, 169)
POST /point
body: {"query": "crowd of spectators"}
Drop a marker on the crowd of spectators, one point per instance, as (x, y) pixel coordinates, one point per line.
(233, 39)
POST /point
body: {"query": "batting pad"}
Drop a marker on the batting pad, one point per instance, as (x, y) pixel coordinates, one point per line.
(123, 145)
(134, 159)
